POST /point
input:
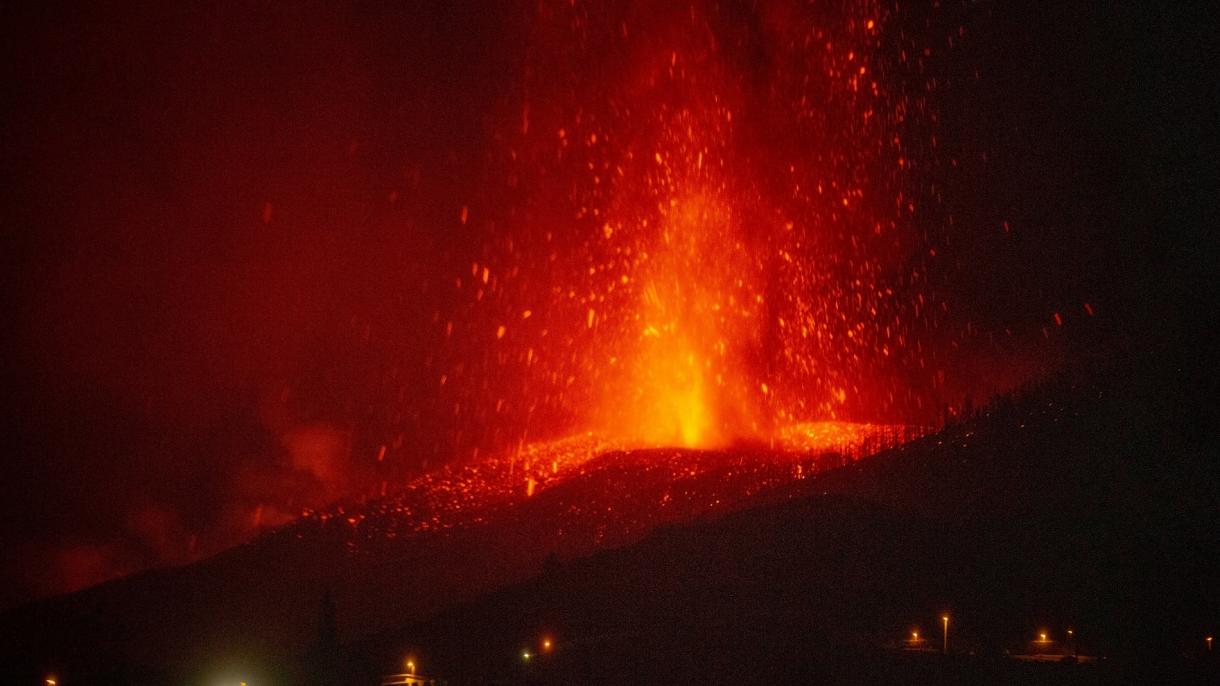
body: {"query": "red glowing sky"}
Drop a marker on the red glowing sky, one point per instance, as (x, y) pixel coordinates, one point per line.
(273, 257)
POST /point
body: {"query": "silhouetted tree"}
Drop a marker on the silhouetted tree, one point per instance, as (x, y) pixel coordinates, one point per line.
(551, 564)
(323, 661)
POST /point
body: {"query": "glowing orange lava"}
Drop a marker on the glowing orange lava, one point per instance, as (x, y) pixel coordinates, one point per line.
(583, 477)
(700, 248)
(682, 382)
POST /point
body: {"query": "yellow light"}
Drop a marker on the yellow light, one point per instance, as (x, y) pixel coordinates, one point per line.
(50, 681)
(546, 644)
(525, 655)
(914, 635)
(1042, 635)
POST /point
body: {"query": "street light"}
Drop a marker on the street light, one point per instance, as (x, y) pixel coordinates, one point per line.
(945, 619)
(410, 666)
(1209, 643)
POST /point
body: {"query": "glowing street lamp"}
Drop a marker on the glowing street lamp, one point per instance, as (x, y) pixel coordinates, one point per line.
(945, 619)
(411, 666)
(546, 645)
(525, 655)
(1209, 643)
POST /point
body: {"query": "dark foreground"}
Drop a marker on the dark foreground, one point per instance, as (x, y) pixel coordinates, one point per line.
(1088, 503)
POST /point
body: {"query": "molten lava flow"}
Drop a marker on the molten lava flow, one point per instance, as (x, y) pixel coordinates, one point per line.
(570, 471)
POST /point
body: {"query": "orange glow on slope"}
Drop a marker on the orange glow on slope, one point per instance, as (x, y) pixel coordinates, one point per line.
(684, 483)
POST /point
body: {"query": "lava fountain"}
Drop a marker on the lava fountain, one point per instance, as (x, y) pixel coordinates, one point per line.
(704, 232)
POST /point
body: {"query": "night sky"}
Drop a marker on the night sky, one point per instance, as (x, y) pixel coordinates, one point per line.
(229, 232)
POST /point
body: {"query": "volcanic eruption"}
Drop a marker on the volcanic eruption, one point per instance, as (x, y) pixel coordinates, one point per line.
(707, 233)
(560, 341)
(693, 268)
(698, 233)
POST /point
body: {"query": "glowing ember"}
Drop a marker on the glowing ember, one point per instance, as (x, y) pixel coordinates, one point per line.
(698, 243)
(600, 490)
